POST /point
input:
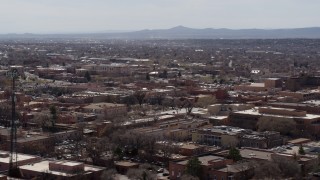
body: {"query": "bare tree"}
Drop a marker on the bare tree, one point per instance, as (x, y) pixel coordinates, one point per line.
(109, 174)
(95, 148)
(278, 168)
(205, 102)
(284, 126)
(266, 170)
(167, 149)
(187, 104)
(141, 174)
(288, 167)
(140, 96)
(188, 177)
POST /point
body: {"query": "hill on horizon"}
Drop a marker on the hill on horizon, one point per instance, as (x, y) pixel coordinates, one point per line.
(182, 32)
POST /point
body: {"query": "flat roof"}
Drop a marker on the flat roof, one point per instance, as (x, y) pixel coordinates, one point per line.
(298, 141)
(234, 168)
(21, 157)
(190, 146)
(102, 105)
(256, 112)
(43, 167)
(31, 138)
(256, 154)
(126, 163)
(257, 85)
(204, 160)
(67, 163)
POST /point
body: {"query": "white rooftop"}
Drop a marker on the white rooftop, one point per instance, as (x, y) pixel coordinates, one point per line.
(21, 157)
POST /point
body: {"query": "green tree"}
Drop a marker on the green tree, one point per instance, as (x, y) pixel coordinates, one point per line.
(301, 150)
(194, 167)
(147, 77)
(140, 96)
(234, 154)
(87, 76)
(165, 74)
(54, 116)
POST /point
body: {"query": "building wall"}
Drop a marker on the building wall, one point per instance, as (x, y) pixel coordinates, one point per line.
(282, 111)
(107, 111)
(56, 166)
(250, 88)
(273, 83)
(108, 69)
(229, 140)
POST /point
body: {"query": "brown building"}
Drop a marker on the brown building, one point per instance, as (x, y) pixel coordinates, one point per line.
(61, 170)
(23, 159)
(106, 110)
(227, 136)
(191, 149)
(248, 118)
(212, 167)
(124, 166)
(263, 140)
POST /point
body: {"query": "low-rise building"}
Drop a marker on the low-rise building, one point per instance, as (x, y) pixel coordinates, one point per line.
(22, 159)
(212, 167)
(124, 166)
(60, 170)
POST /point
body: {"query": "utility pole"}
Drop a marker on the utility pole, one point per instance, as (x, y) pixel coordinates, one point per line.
(13, 125)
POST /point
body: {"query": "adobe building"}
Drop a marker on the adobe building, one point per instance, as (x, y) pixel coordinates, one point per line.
(226, 136)
(248, 118)
(64, 170)
(299, 82)
(191, 149)
(123, 166)
(27, 143)
(267, 85)
(212, 167)
(106, 110)
(224, 109)
(23, 159)
(114, 69)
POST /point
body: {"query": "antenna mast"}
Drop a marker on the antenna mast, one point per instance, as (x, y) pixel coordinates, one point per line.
(13, 133)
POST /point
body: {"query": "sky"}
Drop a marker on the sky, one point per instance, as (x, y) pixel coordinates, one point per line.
(78, 16)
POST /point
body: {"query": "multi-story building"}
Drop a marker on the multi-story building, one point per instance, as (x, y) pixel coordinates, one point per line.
(302, 95)
(106, 110)
(218, 136)
(113, 69)
(263, 140)
(226, 136)
(248, 118)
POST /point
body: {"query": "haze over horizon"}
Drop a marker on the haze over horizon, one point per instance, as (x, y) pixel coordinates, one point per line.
(91, 16)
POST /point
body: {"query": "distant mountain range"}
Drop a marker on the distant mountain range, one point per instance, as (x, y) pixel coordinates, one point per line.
(181, 32)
